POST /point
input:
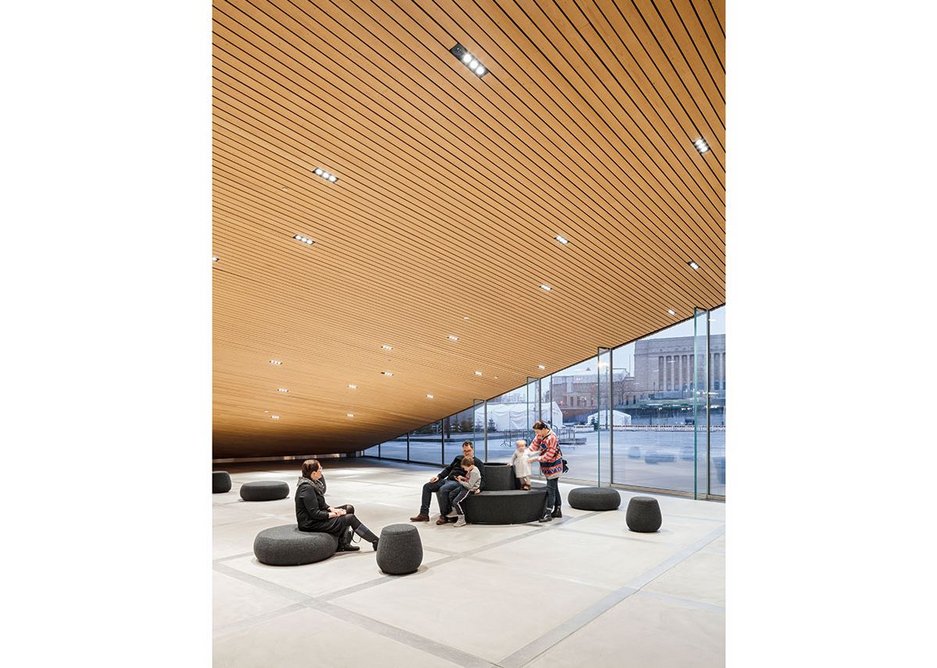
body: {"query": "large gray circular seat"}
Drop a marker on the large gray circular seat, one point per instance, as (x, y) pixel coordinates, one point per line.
(643, 514)
(286, 545)
(220, 482)
(594, 498)
(264, 490)
(399, 550)
(509, 506)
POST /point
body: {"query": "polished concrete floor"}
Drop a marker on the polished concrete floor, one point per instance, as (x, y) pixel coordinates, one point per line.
(581, 590)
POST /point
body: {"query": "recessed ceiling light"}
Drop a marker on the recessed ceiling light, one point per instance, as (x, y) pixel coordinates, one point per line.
(284, 188)
(387, 373)
(541, 367)
(282, 389)
(275, 417)
(429, 396)
(563, 240)
(215, 258)
(453, 338)
(352, 386)
(303, 238)
(478, 373)
(350, 414)
(328, 176)
(468, 60)
(545, 287)
(671, 311)
(387, 347)
(466, 318)
(693, 265)
(701, 145)
(276, 362)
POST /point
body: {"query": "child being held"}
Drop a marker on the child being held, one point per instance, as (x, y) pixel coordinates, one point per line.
(521, 464)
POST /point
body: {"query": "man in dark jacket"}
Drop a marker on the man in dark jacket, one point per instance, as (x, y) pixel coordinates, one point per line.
(446, 477)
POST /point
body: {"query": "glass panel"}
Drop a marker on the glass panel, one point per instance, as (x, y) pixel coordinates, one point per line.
(624, 397)
(507, 422)
(655, 447)
(601, 418)
(395, 448)
(458, 428)
(373, 451)
(481, 430)
(533, 400)
(717, 401)
(426, 444)
(573, 391)
(700, 403)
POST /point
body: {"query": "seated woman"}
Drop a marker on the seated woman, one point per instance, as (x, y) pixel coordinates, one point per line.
(314, 514)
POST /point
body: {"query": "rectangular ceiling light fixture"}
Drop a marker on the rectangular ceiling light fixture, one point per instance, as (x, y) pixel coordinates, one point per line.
(328, 176)
(693, 265)
(468, 60)
(563, 240)
(303, 238)
(701, 145)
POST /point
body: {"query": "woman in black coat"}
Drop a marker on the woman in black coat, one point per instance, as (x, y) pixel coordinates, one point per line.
(314, 514)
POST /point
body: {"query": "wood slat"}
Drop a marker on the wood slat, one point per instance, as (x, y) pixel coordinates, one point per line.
(582, 127)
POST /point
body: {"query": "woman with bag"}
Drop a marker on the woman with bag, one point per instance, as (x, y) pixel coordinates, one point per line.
(551, 467)
(314, 514)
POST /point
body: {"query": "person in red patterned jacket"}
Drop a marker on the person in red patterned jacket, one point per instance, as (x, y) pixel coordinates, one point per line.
(551, 467)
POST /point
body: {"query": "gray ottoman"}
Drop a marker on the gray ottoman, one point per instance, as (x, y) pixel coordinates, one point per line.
(643, 514)
(594, 498)
(400, 550)
(264, 490)
(286, 545)
(220, 482)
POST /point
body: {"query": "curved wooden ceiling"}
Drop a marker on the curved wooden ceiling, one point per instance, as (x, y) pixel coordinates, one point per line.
(451, 189)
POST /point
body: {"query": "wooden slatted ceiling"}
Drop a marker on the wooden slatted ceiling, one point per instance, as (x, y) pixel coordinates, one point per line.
(451, 191)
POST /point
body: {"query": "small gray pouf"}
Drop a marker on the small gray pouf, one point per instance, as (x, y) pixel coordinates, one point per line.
(594, 498)
(286, 545)
(220, 482)
(264, 490)
(643, 514)
(400, 550)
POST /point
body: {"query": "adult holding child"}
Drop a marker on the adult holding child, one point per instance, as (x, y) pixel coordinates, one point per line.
(551, 467)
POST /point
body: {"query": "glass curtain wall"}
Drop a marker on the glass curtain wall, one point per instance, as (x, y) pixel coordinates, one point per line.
(647, 414)
(395, 448)
(426, 443)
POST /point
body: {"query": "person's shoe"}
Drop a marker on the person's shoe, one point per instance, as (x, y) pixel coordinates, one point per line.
(557, 512)
(422, 517)
(348, 548)
(452, 516)
(460, 522)
(374, 544)
(442, 520)
(547, 517)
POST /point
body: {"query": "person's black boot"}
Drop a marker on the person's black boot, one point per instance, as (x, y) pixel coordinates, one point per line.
(367, 534)
(547, 517)
(345, 544)
(557, 512)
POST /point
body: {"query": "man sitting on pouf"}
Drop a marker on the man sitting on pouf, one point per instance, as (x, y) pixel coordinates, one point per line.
(445, 482)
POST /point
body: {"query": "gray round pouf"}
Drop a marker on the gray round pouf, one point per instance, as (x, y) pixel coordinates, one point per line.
(286, 545)
(594, 498)
(264, 490)
(220, 482)
(643, 514)
(399, 550)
